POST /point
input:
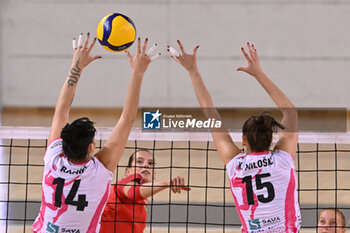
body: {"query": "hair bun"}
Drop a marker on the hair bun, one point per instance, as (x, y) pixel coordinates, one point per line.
(260, 120)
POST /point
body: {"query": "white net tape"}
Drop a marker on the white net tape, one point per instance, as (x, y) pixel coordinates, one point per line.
(8, 132)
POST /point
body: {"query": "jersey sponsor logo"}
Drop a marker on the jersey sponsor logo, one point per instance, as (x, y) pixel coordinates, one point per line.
(52, 228)
(257, 164)
(278, 229)
(254, 224)
(65, 230)
(261, 225)
(270, 221)
(68, 171)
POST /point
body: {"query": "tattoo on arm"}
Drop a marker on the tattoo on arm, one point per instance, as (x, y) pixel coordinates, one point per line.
(74, 75)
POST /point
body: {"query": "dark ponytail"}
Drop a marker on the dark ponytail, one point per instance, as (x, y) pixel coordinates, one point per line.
(259, 129)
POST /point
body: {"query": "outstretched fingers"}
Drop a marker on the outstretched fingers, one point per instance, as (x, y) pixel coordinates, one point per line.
(155, 56)
(250, 50)
(95, 57)
(128, 55)
(195, 50)
(80, 40)
(150, 50)
(173, 51)
(253, 68)
(245, 54)
(92, 44)
(74, 44)
(138, 50)
(255, 53)
(242, 69)
(86, 40)
(144, 46)
(142, 53)
(82, 51)
(181, 47)
(187, 60)
(175, 58)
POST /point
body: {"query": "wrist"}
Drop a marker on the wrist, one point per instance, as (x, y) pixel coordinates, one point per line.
(137, 73)
(76, 70)
(73, 75)
(76, 65)
(259, 74)
(193, 72)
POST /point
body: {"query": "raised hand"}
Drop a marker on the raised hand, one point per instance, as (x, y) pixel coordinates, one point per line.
(188, 61)
(253, 68)
(81, 57)
(139, 63)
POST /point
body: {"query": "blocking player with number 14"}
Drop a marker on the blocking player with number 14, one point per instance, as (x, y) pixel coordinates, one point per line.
(76, 182)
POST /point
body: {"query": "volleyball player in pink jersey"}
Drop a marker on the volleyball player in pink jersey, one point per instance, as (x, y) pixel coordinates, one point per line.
(263, 183)
(76, 182)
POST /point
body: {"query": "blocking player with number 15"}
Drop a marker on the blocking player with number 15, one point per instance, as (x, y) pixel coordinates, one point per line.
(263, 183)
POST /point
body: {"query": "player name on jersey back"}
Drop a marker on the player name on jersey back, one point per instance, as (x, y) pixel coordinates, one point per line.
(64, 169)
(264, 162)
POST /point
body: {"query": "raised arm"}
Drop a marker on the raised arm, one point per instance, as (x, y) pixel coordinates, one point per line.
(81, 59)
(288, 138)
(149, 189)
(222, 140)
(110, 154)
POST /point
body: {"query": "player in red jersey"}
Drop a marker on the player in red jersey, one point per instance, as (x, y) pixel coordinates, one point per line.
(331, 220)
(126, 209)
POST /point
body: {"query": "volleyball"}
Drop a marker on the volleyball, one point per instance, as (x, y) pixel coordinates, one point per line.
(116, 32)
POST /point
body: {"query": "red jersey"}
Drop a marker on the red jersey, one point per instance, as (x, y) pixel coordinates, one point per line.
(125, 213)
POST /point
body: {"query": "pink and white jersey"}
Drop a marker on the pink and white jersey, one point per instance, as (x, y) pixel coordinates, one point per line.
(73, 194)
(264, 188)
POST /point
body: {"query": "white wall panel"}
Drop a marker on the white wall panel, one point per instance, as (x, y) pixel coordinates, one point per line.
(302, 45)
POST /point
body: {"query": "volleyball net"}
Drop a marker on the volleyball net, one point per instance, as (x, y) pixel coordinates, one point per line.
(322, 164)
